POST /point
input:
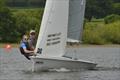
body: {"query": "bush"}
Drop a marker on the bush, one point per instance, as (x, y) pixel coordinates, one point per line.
(16, 22)
(116, 8)
(7, 27)
(111, 18)
(102, 33)
(92, 34)
(24, 22)
(27, 19)
(112, 32)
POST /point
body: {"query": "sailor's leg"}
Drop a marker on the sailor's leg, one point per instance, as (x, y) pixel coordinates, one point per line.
(27, 56)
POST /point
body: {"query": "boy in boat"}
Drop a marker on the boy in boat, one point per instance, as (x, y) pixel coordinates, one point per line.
(25, 48)
(32, 39)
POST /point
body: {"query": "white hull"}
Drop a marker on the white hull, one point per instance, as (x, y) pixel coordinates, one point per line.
(42, 63)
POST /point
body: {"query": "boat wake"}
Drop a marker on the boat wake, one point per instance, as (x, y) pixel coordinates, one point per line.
(107, 69)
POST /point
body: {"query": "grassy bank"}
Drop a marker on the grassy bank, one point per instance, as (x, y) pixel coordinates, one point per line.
(16, 45)
(90, 45)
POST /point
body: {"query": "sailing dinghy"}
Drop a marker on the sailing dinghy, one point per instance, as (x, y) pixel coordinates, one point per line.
(62, 19)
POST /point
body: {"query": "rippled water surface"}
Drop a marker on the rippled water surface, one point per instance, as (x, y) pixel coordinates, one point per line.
(14, 66)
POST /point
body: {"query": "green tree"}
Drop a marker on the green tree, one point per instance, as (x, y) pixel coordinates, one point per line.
(116, 8)
(7, 27)
(116, 1)
(25, 21)
(98, 8)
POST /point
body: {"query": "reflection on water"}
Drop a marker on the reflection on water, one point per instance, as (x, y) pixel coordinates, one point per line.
(13, 66)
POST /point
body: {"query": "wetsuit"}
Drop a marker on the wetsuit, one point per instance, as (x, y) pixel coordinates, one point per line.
(22, 46)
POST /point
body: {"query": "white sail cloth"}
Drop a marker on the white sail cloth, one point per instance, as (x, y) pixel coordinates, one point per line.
(53, 32)
(75, 21)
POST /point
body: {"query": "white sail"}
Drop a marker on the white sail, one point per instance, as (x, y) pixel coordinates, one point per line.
(76, 18)
(53, 32)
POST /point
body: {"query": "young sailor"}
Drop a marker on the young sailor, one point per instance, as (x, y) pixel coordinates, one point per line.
(25, 48)
(32, 39)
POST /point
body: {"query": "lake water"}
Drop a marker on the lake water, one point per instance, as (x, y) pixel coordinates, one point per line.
(14, 66)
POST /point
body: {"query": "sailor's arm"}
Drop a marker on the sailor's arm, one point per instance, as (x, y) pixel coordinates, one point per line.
(28, 51)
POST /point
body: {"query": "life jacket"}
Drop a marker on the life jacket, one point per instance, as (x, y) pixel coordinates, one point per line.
(27, 46)
(22, 50)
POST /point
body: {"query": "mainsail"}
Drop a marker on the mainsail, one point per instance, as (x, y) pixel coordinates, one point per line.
(76, 18)
(53, 32)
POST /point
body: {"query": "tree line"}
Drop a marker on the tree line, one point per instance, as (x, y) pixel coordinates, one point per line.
(94, 8)
(14, 22)
(101, 8)
(25, 3)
